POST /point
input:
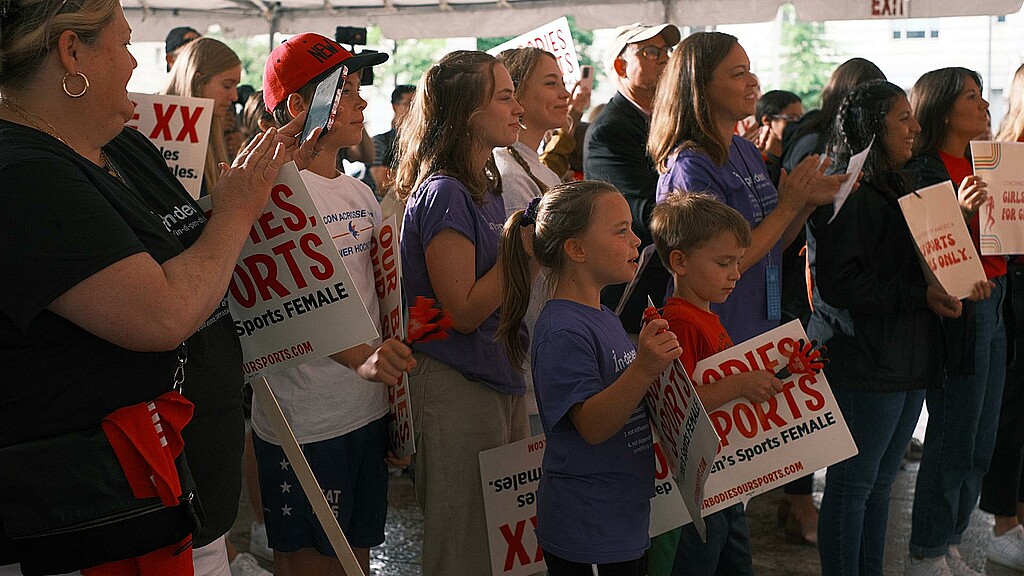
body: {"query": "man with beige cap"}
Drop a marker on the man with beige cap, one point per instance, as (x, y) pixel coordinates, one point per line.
(616, 147)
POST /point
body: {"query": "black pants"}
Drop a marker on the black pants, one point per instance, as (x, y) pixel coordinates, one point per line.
(559, 567)
(1003, 485)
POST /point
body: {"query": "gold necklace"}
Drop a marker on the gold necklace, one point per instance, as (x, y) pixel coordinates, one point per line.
(16, 107)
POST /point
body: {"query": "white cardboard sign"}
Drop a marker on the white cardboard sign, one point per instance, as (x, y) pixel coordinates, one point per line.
(387, 276)
(510, 475)
(766, 445)
(180, 128)
(554, 37)
(942, 239)
(290, 295)
(1001, 217)
(689, 441)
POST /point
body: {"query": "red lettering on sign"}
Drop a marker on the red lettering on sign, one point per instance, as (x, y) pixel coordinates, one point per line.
(515, 552)
(188, 124)
(163, 121)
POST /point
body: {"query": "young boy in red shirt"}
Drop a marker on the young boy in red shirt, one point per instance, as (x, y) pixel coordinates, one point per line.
(702, 243)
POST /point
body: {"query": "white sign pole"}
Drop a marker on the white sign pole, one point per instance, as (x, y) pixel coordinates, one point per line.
(265, 396)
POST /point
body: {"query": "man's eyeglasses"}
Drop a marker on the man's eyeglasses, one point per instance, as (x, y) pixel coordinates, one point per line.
(655, 52)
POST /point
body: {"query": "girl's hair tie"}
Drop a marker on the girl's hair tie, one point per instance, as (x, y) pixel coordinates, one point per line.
(530, 214)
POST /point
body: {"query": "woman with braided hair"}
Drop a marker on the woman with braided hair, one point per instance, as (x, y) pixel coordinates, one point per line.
(884, 349)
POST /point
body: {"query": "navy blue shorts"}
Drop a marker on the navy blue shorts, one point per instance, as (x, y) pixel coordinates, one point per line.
(353, 476)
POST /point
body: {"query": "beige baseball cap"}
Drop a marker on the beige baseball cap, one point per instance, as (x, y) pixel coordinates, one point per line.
(638, 32)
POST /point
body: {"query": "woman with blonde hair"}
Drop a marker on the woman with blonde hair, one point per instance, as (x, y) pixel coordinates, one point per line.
(108, 267)
(208, 68)
(1011, 129)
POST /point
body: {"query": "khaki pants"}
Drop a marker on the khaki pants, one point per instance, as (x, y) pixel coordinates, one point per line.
(454, 420)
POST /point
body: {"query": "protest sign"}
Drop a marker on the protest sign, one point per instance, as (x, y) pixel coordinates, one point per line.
(291, 296)
(941, 237)
(1001, 217)
(689, 441)
(180, 128)
(555, 38)
(766, 445)
(853, 168)
(510, 475)
(387, 279)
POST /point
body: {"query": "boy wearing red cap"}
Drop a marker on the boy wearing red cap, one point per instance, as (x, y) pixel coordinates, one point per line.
(336, 405)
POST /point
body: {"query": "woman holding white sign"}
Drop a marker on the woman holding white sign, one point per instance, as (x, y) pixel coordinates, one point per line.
(885, 347)
(706, 89)
(963, 414)
(108, 267)
(466, 396)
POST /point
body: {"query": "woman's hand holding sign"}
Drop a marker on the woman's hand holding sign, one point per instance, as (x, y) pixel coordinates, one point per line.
(972, 194)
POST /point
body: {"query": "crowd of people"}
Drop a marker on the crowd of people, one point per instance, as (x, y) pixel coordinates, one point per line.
(525, 223)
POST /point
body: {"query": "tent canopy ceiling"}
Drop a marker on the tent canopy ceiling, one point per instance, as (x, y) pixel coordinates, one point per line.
(400, 19)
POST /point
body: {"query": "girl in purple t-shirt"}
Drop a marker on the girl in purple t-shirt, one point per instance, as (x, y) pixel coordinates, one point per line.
(466, 396)
(593, 502)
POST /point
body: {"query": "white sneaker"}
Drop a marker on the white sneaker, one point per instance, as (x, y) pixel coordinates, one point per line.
(245, 564)
(957, 566)
(258, 545)
(927, 567)
(1008, 549)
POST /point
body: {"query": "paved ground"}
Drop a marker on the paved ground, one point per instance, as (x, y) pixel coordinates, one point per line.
(773, 556)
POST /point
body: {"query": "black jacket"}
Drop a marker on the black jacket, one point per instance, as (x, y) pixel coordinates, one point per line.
(926, 169)
(866, 266)
(615, 150)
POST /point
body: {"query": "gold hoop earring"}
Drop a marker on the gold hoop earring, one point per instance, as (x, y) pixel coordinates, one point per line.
(64, 84)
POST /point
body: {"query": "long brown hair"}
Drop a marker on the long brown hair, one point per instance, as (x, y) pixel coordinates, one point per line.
(682, 115)
(563, 212)
(198, 62)
(436, 137)
(932, 98)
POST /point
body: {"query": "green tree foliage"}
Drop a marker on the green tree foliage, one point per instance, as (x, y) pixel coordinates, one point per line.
(253, 52)
(807, 59)
(410, 59)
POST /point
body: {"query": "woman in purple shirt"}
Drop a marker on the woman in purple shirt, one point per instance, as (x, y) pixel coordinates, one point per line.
(705, 90)
(466, 396)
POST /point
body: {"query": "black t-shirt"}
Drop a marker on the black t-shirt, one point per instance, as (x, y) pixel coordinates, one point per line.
(62, 219)
(385, 149)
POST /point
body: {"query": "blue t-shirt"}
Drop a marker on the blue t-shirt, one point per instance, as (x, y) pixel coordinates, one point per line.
(593, 502)
(742, 183)
(443, 202)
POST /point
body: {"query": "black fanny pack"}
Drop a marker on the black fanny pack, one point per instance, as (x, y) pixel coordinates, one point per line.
(65, 504)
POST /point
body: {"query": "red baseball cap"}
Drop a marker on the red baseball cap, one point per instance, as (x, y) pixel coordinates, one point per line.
(302, 58)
